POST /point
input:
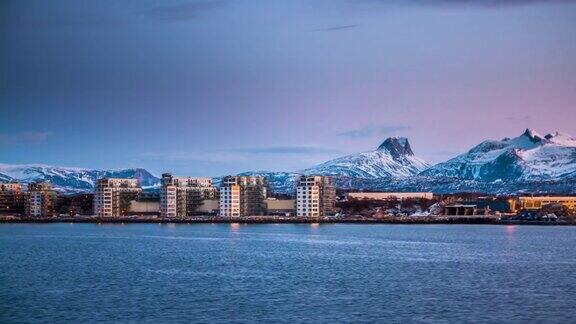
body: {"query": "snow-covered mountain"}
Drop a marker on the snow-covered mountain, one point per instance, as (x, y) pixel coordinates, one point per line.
(528, 157)
(394, 157)
(68, 179)
(528, 163)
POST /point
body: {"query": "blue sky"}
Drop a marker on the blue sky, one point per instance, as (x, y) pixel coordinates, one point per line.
(224, 86)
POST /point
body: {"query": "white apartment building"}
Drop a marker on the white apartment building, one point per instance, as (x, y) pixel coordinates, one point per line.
(242, 196)
(315, 196)
(112, 196)
(229, 201)
(182, 196)
(34, 204)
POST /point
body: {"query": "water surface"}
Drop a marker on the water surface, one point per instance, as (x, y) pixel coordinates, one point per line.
(286, 273)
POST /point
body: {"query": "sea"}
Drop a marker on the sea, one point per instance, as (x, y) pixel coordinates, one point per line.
(286, 273)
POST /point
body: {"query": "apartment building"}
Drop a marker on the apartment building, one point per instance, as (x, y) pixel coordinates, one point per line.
(11, 198)
(40, 200)
(243, 196)
(112, 196)
(315, 196)
(184, 196)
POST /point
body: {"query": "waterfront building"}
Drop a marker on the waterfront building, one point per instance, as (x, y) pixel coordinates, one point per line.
(315, 196)
(465, 209)
(209, 206)
(40, 200)
(184, 196)
(481, 206)
(11, 198)
(243, 196)
(112, 196)
(535, 203)
(388, 195)
(144, 207)
(281, 207)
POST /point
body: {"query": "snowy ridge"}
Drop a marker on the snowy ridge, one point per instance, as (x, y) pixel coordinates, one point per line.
(529, 157)
(68, 179)
(394, 157)
(529, 163)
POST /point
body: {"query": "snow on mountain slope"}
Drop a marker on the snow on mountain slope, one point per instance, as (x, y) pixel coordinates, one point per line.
(70, 179)
(394, 157)
(529, 156)
(4, 178)
(528, 163)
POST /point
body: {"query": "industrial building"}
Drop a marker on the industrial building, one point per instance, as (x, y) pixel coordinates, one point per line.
(463, 209)
(481, 206)
(535, 203)
(389, 195)
(280, 207)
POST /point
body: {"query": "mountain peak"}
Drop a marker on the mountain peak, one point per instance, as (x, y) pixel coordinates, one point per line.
(528, 157)
(397, 146)
(393, 158)
(532, 135)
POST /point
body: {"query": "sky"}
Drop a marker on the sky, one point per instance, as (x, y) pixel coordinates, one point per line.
(213, 87)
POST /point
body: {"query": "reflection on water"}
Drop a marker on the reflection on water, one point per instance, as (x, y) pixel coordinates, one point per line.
(286, 273)
(510, 229)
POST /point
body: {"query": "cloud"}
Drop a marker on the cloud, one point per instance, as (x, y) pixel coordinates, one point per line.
(335, 28)
(189, 157)
(287, 150)
(373, 130)
(184, 11)
(24, 138)
(233, 155)
(524, 118)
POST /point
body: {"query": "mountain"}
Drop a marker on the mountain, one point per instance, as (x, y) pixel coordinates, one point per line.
(448, 185)
(394, 157)
(71, 179)
(528, 157)
(529, 163)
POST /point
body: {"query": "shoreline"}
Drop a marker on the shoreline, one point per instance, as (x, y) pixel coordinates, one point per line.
(274, 220)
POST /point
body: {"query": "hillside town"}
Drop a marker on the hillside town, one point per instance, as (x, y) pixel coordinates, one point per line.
(250, 199)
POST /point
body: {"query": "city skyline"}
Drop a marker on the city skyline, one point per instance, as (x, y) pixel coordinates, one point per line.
(218, 87)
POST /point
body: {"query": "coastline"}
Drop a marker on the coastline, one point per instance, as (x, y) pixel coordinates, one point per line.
(278, 220)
